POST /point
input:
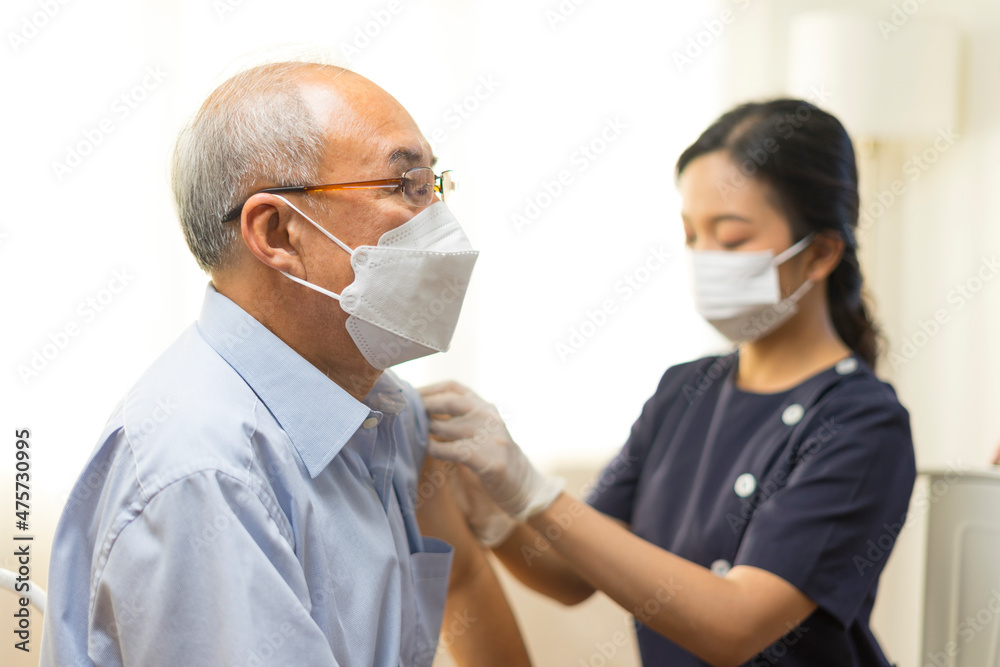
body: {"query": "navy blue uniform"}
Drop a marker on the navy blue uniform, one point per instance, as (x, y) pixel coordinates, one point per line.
(811, 484)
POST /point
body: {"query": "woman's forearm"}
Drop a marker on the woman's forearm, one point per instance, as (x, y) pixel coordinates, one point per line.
(723, 620)
(531, 558)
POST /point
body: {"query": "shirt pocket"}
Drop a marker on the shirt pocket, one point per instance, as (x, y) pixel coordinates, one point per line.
(430, 570)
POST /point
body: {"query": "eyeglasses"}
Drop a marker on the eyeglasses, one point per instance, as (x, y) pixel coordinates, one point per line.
(418, 186)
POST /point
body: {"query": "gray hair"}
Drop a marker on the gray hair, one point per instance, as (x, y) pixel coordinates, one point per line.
(254, 128)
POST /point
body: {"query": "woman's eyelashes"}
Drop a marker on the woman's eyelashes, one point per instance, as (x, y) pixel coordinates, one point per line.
(690, 242)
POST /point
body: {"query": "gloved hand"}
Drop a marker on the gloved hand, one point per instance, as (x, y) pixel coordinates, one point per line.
(485, 518)
(466, 429)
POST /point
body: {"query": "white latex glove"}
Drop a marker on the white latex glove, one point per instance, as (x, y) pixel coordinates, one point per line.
(486, 519)
(466, 429)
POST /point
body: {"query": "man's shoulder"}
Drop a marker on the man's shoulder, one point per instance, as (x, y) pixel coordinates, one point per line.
(190, 410)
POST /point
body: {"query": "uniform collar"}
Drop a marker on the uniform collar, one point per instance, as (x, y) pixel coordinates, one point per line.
(812, 387)
(318, 415)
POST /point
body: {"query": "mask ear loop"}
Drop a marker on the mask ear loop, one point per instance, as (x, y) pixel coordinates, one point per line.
(797, 295)
(333, 238)
(348, 249)
(808, 283)
(793, 250)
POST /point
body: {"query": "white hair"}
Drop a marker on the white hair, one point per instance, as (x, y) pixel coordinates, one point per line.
(254, 128)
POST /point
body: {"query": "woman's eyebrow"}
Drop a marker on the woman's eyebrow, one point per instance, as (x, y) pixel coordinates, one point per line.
(728, 216)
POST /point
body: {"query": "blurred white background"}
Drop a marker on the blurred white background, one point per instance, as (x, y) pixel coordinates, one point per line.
(514, 96)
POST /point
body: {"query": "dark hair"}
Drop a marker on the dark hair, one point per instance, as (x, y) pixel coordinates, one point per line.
(805, 155)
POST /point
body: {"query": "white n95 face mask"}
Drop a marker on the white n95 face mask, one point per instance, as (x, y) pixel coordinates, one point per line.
(739, 293)
(408, 290)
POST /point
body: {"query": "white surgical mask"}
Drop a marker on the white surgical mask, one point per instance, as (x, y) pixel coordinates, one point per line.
(739, 293)
(408, 290)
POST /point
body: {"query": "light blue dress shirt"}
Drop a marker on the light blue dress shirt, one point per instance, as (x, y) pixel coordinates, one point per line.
(243, 509)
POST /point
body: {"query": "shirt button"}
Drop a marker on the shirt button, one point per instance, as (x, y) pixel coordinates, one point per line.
(846, 366)
(721, 567)
(370, 422)
(792, 414)
(745, 485)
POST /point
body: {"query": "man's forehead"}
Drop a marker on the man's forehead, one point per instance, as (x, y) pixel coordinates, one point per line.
(365, 120)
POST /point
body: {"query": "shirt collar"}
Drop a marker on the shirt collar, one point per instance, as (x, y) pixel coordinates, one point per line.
(318, 415)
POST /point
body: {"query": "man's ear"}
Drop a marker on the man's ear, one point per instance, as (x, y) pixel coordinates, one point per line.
(272, 231)
(827, 249)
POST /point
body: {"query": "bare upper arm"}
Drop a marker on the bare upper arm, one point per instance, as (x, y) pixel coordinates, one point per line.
(439, 516)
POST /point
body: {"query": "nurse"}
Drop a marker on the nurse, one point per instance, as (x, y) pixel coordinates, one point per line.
(752, 509)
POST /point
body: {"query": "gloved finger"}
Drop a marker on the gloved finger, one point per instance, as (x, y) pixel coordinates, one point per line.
(454, 428)
(447, 403)
(445, 386)
(459, 451)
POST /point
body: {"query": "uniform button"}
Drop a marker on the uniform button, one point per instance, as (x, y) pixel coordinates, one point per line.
(792, 414)
(370, 422)
(846, 366)
(745, 485)
(721, 567)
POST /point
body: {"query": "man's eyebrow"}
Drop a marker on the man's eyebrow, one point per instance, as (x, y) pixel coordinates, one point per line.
(409, 157)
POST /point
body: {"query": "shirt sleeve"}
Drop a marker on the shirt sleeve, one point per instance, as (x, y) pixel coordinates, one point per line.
(204, 575)
(829, 530)
(613, 492)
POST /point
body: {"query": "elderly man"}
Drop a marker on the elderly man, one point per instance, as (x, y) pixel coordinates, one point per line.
(253, 499)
